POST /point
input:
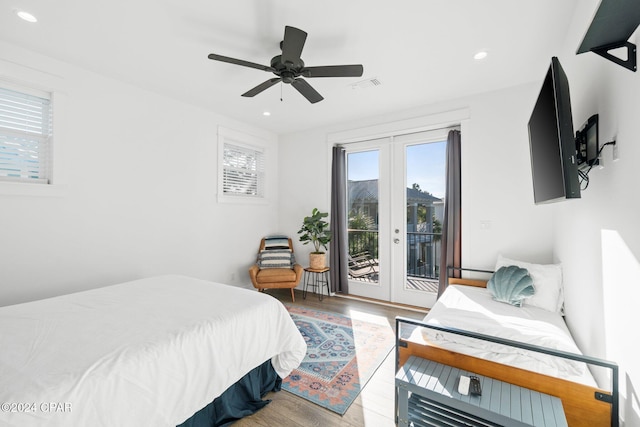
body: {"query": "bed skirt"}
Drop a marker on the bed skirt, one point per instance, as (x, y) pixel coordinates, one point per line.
(240, 400)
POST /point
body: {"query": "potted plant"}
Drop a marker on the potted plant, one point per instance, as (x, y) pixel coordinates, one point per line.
(316, 230)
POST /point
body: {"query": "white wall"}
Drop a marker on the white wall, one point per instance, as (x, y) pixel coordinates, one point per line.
(304, 184)
(138, 193)
(597, 238)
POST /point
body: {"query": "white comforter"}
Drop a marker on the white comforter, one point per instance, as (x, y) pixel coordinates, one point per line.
(473, 309)
(150, 352)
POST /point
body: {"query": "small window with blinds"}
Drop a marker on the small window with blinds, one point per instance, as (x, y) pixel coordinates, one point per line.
(25, 136)
(242, 171)
(242, 164)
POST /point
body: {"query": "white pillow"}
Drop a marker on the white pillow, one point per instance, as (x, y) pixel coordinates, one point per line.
(547, 281)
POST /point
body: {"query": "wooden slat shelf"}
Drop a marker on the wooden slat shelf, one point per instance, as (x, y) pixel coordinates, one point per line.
(435, 399)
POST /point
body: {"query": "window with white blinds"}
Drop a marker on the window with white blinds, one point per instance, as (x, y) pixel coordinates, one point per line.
(26, 127)
(243, 171)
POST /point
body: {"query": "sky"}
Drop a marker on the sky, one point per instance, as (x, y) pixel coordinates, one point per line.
(425, 166)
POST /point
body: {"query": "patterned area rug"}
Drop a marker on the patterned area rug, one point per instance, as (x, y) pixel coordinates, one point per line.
(342, 355)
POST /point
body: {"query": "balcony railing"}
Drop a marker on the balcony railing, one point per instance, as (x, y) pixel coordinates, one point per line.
(423, 255)
(423, 250)
(363, 241)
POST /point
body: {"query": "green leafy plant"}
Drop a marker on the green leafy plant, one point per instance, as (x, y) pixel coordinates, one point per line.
(315, 230)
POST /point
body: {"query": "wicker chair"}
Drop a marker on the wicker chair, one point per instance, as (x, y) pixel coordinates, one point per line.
(275, 278)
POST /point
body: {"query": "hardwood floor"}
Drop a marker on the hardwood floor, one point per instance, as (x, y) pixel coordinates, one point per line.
(374, 406)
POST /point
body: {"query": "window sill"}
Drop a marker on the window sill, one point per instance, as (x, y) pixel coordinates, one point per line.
(241, 200)
(33, 190)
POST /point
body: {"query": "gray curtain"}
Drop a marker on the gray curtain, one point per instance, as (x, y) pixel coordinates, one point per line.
(338, 246)
(451, 225)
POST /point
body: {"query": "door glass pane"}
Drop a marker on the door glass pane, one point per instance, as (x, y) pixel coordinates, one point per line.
(362, 212)
(425, 178)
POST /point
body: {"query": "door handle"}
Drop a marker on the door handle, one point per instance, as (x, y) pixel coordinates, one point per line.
(396, 241)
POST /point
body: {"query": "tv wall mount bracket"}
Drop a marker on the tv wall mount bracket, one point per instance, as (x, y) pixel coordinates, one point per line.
(630, 63)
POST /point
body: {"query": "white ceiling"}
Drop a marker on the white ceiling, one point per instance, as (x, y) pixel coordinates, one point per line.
(420, 50)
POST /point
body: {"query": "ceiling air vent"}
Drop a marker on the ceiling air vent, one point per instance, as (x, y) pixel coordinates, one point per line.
(364, 84)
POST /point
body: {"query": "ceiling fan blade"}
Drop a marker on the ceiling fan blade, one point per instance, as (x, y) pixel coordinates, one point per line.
(333, 71)
(292, 44)
(307, 91)
(262, 86)
(239, 62)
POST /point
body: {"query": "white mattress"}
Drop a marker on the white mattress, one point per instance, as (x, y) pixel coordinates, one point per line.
(473, 309)
(150, 352)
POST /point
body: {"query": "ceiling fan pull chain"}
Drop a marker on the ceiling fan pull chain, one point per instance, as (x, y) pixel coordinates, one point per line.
(281, 91)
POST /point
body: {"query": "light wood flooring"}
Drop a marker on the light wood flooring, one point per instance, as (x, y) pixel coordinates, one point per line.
(374, 406)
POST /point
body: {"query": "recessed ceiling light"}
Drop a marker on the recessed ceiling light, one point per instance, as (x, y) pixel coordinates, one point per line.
(266, 113)
(26, 16)
(480, 55)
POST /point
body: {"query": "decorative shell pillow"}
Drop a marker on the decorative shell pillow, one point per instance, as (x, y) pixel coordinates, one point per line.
(547, 281)
(511, 284)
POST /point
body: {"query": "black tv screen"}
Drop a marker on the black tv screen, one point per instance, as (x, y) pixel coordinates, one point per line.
(551, 140)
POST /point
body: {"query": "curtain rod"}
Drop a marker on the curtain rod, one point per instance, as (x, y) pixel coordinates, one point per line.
(394, 134)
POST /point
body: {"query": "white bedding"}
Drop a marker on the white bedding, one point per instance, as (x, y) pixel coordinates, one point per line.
(150, 352)
(473, 309)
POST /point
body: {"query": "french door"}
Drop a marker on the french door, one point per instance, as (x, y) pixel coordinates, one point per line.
(395, 206)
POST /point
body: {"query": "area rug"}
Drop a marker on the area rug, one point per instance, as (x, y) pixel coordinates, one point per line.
(343, 353)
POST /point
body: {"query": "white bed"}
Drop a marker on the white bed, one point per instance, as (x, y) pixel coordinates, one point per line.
(467, 309)
(473, 309)
(147, 352)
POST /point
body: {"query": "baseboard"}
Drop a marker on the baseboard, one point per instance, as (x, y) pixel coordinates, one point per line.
(385, 303)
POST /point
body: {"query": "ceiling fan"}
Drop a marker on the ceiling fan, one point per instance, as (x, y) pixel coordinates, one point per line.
(289, 67)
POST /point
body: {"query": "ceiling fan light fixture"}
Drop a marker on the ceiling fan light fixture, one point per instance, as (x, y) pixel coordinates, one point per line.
(25, 16)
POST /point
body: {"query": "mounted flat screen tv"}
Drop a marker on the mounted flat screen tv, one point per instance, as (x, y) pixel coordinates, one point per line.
(552, 142)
